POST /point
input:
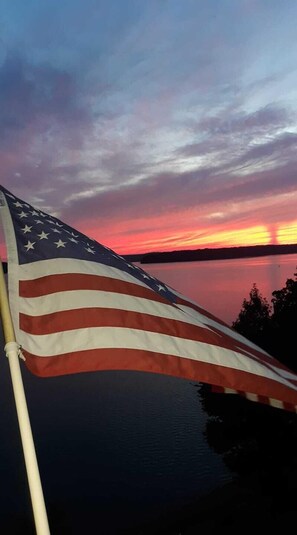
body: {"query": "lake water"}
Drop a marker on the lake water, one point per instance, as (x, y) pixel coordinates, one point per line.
(221, 285)
(119, 449)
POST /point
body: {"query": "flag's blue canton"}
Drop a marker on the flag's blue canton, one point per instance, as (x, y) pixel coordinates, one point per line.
(40, 236)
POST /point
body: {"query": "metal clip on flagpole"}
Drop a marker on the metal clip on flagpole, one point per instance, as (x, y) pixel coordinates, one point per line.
(12, 350)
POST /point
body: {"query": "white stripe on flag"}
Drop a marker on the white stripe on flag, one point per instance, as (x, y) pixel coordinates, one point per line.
(117, 337)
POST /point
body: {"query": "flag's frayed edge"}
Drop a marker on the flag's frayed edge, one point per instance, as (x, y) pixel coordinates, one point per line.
(254, 397)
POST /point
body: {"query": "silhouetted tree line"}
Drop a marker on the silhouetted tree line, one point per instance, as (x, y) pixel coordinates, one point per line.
(255, 440)
(272, 327)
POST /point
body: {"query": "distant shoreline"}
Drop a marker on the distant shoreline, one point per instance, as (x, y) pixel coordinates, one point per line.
(223, 253)
(196, 255)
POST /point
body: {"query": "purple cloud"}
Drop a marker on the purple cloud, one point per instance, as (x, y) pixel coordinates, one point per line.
(138, 114)
(176, 193)
(41, 96)
(279, 148)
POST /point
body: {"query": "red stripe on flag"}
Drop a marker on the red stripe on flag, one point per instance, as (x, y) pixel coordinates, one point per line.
(201, 310)
(233, 343)
(141, 360)
(109, 317)
(263, 399)
(249, 351)
(76, 281)
(68, 320)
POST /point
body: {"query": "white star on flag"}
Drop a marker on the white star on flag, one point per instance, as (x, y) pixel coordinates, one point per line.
(60, 243)
(43, 235)
(30, 245)
(26, 229)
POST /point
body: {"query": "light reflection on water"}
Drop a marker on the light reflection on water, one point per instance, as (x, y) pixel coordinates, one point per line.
(221, 285)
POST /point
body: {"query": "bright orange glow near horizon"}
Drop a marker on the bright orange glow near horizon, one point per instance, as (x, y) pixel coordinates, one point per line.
(258, 235)
(161, 240)
(287, 233)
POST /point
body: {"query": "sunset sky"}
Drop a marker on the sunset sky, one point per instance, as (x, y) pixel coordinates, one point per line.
(153, 125)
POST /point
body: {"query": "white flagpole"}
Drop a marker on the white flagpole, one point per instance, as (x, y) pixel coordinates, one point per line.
(13, 353)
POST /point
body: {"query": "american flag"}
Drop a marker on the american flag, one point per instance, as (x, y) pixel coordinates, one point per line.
(77, 306)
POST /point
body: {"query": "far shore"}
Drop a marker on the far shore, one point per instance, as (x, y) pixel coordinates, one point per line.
(198, 255)
(223, 253)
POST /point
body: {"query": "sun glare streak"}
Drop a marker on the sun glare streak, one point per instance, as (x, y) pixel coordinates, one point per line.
(256, 235)
(287, 234)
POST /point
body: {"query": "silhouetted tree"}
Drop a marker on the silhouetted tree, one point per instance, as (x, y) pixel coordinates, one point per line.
(253, 320)
(272, 327)
(251, 437)
(284, 323)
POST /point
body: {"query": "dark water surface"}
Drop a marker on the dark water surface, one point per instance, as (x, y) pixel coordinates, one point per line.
(115, 448)
(119, 449)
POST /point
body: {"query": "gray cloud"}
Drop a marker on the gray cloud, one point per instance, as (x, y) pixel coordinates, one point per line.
(174, 193)
(39, 98)
(228, 138)
(201, 148)
(278, 148)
